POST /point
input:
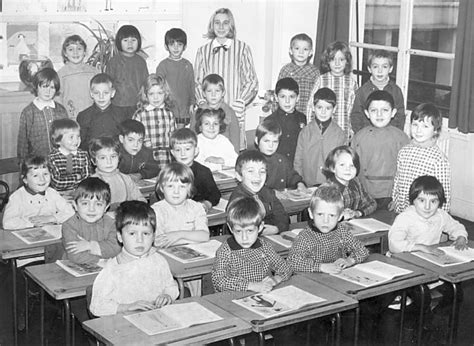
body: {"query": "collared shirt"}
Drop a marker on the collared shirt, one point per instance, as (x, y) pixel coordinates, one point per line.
(62, 180)
(235, 267)
(414, 161)
(305, 76)
(313, 248)
(345, 88)
(356, 197)
(159, 125)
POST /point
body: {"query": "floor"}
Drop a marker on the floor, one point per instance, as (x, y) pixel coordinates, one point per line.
(288, 336)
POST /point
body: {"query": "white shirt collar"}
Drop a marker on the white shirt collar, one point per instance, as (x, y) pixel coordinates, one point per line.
(150, 107)
(40, 104)
(227, 43)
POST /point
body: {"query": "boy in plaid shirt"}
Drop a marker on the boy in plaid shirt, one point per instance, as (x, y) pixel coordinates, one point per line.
(67, 162)
(245, 262)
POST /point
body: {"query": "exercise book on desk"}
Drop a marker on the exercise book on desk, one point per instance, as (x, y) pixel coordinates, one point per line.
(371, 273)
(451, 256)
(39, 234)
(193, 252)
(285, 239)
(219, 207)
(279, 301)
(172, 317)
(369, 225)
(296, 195)
(79, 269)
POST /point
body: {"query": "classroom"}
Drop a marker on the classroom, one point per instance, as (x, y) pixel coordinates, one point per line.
(242, 171)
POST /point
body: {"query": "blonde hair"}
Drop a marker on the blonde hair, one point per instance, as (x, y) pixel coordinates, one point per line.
(210, 27)
(150, 82)
(175, 171)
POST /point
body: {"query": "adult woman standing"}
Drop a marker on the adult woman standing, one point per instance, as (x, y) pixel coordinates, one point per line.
(232, 60)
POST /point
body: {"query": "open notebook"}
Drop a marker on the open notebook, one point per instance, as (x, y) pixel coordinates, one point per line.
(39, 234)
(279, 301)
(172, 317)
(371, 273)
(193, 252)
(369, 225)
(450, 258)
(285, 239)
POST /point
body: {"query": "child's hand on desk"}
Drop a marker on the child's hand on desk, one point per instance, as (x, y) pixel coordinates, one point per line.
(215, 159)
(162, 300)
(135, 177)
(42, 220)
(330, 268)
(78, 246)
(263, 286)
(269, 230)
(344, 262)
(391, 206)
(460, 243)
(272, 280)
(166, 240)
(351, 214)
(302, 188)
(138, 305)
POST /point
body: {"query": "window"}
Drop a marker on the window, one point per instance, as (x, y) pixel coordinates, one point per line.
(421, 34)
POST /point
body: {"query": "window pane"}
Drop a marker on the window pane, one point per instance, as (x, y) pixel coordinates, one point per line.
(434, 25)
(382, 22)
(430, 81)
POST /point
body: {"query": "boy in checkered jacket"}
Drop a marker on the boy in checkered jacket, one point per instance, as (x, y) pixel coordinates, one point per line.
(245, 262)
(326, 246)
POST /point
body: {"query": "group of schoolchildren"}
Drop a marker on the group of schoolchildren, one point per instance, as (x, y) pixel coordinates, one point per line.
(326, 132)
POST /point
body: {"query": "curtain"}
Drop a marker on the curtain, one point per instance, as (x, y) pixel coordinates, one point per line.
(462, 94)
(333, 25)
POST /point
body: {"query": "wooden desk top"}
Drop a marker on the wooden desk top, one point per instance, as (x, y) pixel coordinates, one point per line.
(454, 274)
(358, 292)
(11, 247)
(58, 283)
(116, 330)
(335, 302)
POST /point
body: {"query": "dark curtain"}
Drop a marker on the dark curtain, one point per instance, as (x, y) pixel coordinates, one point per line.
(333, 25)
(462, 95)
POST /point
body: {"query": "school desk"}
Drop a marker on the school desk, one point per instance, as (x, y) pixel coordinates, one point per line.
(12, 249)
(334, 303)
(60, 285)
(195, 270)
(113, 330)
(418, 277)
(454, 275)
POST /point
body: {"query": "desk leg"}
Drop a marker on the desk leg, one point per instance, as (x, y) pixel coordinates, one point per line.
(42, 317)
(181, 288)
(261, 339)
(231, 341)
(67, 318)
(14, 302)
(453, 319)
(422, 315)
(338, 329)
(403, 305)
(356, 325)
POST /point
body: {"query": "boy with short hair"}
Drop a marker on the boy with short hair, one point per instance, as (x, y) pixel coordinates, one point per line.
(102, 118)
(378, 146)
(135, 159)
(246, 262)
(280, 174)
(214, 91)
(326, 245)
(251, 172)
(380, 65)
(105, 155)
(138, 278)
(421, 157)
(317, 139)
(184, 149)
(179, 74)
(300, 68)
(290, 120)
(89, 235)
(67, 162)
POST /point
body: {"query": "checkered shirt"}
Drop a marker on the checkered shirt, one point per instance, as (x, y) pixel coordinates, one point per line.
(159, 124)
(234, 267)
(60, 179)
(305, 76)
(313, 248)
(414, 161)
(34, 137)
(345, 88)
(356, 196)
